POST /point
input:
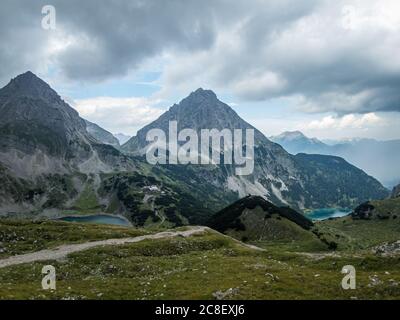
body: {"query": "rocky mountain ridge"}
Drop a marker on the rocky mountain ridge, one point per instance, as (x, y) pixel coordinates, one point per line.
(278, 176)
(50, 164)
(363, 153)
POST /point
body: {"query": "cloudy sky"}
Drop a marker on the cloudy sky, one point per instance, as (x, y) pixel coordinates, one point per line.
(328, 68)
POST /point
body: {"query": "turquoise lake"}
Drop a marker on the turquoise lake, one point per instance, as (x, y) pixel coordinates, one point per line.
(316, 215)
(326, 213)
(99, 219)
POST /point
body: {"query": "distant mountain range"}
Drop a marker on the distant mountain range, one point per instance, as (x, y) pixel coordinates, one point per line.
(122, 138)
(106, 137)
(301, 181)
(101, 134)
(296, 142)
(378, 158)
(52, 162)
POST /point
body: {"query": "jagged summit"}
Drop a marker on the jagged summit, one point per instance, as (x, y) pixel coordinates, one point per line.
(41, 133)
(29, 85)
(34, 119)
(200, 99)
(27, 75)
(200, 110)
(28, 100)
(203, 93)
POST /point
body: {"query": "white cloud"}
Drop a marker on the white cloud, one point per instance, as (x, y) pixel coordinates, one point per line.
(350, 121)
(381, 126)
(337, 56)
(334, 56)
(340, 102)
(263, 85)
(119, 114)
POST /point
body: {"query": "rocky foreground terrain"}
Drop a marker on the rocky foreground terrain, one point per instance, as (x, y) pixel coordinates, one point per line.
(199, 265)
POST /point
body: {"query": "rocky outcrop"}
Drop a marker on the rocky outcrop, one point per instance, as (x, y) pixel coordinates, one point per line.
(363, 211)
(396, 192)
(388, 249)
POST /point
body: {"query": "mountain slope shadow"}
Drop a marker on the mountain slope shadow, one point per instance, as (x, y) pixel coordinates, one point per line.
(253, 218)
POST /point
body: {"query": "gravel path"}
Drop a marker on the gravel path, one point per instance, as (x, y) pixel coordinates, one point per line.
(62, 251)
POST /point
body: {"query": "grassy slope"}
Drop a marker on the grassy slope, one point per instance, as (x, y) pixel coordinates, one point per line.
(21, 236)
(357, 235)
(192, 268)
(360, 234)
(275, 231)
(391, 206)
(87, 201)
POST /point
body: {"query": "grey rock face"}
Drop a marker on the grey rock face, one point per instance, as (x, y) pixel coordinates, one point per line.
(396, 192)
(29, 99)
(38, 128)
(284, 179)
(46, 153)
(363, 153)
(296, 142)
(200, 110)
(35, 119)
(122, 138)
(101, 134)
(388, 249)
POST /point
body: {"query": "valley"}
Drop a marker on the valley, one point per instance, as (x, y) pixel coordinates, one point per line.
(207, 265)
(60, 164)
(260, 252)
(117, 227)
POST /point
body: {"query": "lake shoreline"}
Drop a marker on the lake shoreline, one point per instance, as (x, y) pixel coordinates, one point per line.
(96, 215)
(322, 214)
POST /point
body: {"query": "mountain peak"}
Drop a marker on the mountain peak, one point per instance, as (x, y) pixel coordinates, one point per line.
(28, 78)
(201, 93)
(30, 85)
(27, 74)
(32, 103)
(200, 110)
(201, 100)
(290, 135)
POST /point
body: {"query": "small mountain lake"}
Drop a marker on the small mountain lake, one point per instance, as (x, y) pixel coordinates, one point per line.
(316, 215)
(97, 218)
(326, 213)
